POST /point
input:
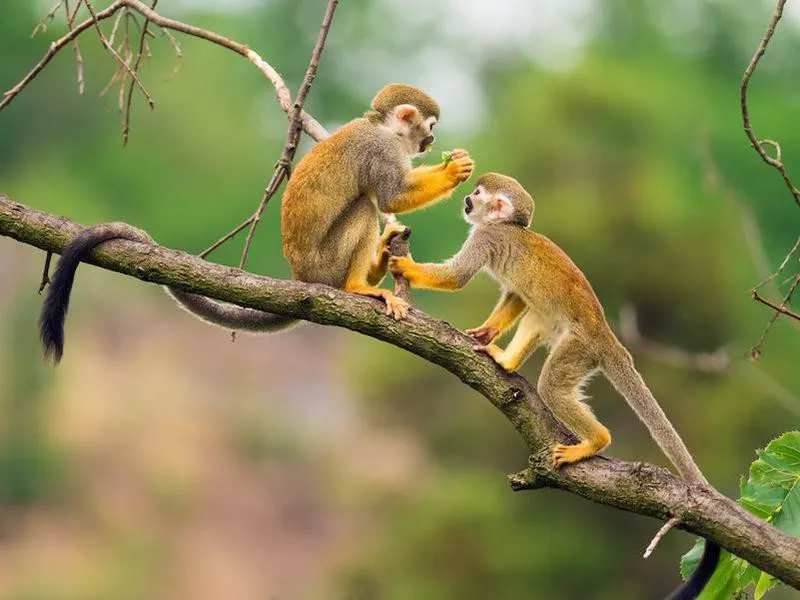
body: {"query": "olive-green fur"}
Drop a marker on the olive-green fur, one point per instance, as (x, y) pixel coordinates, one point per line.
(396, 94)
(520, 198)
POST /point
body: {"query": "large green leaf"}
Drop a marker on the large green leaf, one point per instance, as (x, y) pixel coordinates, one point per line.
(771, 492)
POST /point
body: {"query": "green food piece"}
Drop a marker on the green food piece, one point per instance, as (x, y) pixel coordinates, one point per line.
(447, 156)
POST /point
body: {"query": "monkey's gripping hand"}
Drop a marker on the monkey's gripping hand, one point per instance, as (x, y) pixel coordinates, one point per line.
(460, 166)
(404, 266)
(484, 334)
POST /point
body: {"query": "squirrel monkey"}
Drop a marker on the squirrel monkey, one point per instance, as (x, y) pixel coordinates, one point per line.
(555, 305)
(329, 217)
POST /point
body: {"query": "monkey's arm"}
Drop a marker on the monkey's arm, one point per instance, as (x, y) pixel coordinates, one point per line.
(507, 311)
(425, 185)
(450, 275)
(377, 271)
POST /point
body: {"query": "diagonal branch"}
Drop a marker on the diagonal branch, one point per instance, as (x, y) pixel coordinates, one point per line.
(635, 487)
(283, 167)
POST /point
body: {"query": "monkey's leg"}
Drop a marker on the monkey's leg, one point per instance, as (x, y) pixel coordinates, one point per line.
(566, 370)
(425, 186)
(377, 270)
(527, 338)
(507, 311)
(357, 280)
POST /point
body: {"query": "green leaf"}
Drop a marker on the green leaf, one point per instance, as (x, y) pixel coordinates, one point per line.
(771, 492)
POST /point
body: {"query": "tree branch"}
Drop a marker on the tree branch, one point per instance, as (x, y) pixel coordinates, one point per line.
(635, 487)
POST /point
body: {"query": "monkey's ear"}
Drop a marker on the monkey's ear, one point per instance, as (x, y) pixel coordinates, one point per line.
(500, 208)
(406, 113)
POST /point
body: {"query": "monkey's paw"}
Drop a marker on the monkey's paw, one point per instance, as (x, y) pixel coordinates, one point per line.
(457, 153)
(397, 308)
(564, 454)
(496, 354)
(483, 335)
(400, 265)
(460, 169)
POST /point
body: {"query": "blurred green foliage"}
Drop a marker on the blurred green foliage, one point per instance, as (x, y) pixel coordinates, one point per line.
(617, 146)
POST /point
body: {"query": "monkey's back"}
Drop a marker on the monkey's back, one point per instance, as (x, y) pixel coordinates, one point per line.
(550, 282)
(328, 210)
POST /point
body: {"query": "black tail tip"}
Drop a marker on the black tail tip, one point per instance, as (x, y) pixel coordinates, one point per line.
(52, 342)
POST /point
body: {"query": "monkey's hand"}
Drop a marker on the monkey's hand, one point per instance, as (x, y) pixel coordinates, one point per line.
(403, 266)
(391, 229)
(484, 334)
(497, 355)
(460, 167)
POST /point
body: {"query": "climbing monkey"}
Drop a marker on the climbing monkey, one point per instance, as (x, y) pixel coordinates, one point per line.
(555, 305)
(329, 215)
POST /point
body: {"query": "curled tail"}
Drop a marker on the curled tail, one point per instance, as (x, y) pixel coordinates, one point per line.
(56, 303)
(231, 316)
(618, 368)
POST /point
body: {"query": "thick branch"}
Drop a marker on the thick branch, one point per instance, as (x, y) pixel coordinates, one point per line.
(635, 487)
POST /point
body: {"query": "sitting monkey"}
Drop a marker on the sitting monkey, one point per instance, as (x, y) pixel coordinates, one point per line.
(556, 306)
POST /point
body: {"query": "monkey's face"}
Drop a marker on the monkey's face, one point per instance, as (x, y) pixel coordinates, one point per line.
(415, 131)
(483, 206)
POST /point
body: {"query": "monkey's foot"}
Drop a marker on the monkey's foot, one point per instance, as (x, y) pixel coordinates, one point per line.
(483, 334)
(564, 454)
(497, 355)
(397, 308)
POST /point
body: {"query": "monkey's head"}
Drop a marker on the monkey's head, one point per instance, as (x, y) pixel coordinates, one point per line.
(407, 111)
(498, 199)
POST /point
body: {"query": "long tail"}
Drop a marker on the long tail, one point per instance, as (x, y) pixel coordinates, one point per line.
(231, 316)
(619, 369)
(56, 303)
(692, 587)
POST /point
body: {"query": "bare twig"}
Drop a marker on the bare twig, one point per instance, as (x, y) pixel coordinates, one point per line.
(42, 25)
(126, 124)
(755, 353)
(782, 266)
(758, 145)
(124, 63)
(399, 246)
(660, 535)
(310, 125)
(46, 271)
(782, 308)
(283, 167)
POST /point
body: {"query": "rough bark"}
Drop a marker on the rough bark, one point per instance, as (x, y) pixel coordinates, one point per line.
(635, 487)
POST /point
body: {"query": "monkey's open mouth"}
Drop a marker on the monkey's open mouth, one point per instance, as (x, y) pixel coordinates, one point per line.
(426, 143)
(468, 205)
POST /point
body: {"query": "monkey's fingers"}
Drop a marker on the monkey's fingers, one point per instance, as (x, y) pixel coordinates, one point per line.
(396, 308)
(564, 454)
(458, 153)
(463, 168)
(483, 334)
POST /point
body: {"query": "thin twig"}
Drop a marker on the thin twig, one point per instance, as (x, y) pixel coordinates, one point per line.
(126, 124)
(310, 125)
(758, 145)
(46, 271)
(781, 309)
(661, 533)
(226, 237)
(116, 55)
(42, 26)
(282, 168)
(755, 353)
(782, 266)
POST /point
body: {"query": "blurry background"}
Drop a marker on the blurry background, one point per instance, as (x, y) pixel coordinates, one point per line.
(162, 461)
